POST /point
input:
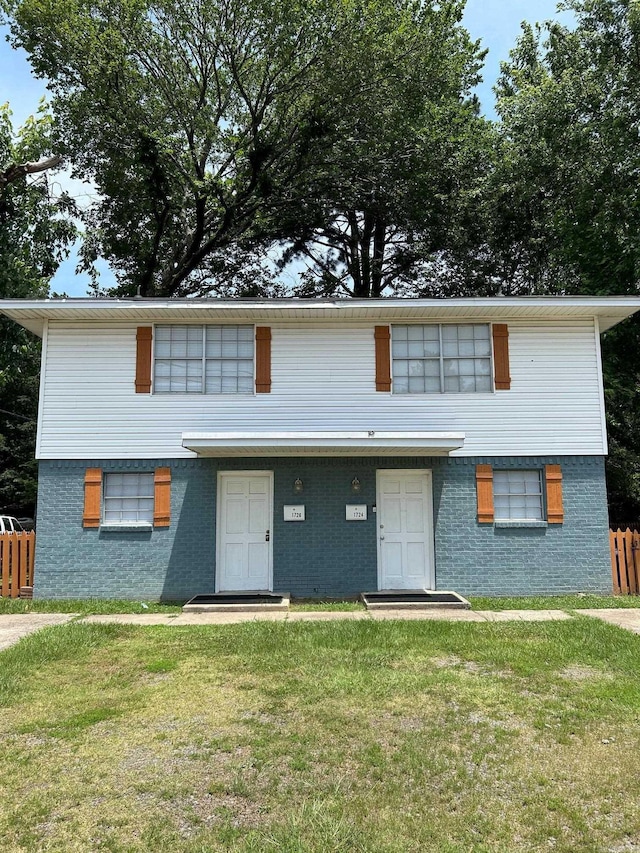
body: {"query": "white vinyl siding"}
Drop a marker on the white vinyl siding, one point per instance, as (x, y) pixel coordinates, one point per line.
(211, 359)
(517, 495)
(323, 378)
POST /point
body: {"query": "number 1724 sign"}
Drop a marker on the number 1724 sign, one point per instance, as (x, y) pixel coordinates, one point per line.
(356, 512)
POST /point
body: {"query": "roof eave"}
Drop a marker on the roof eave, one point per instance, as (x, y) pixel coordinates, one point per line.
(32, 314)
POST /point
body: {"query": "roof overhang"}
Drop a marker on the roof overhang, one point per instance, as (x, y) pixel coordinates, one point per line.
(33, 313)
(356, 443)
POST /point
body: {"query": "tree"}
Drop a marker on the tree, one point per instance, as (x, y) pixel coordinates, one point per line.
(215, 127)
(570, 108)
(35, 231)
(405, 167)
(565, 196)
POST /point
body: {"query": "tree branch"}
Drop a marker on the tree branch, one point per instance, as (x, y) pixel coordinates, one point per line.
(17, 171)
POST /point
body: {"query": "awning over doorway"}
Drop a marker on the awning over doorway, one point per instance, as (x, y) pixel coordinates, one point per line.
(356, 443)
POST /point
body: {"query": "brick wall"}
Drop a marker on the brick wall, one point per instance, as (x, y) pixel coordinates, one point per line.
(325, 555)
(480, 559)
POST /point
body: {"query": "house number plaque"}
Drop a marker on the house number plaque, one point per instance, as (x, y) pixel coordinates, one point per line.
(356, 512)
(294, 513)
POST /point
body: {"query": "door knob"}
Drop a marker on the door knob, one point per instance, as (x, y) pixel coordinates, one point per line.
(266, 536)
(381, 538)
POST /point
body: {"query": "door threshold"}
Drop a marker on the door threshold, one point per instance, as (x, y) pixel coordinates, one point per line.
(243, 601)
(413, 599)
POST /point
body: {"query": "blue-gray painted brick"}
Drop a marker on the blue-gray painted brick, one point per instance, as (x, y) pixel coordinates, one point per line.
(325, 556)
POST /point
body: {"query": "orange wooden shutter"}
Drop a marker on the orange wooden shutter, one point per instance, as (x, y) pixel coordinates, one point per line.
(92, 497)
(383, 358)
(484, 489)
(263, 360)
(501, 356)
(144, 336)
(162, 497)
(553, 479)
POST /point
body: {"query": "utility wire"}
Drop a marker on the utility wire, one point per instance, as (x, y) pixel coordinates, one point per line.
(16, 415)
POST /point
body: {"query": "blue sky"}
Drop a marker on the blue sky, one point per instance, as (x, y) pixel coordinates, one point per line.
(495, 22)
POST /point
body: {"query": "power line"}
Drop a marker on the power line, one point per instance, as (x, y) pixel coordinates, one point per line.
(16, 415)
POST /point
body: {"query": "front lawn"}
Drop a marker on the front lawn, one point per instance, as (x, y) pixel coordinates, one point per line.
(384, 737)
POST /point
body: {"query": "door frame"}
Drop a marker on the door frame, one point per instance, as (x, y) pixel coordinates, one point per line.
(430, 573)
(219, 563)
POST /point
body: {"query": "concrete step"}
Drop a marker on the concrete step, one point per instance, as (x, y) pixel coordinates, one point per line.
(414, 599)
(243, 601)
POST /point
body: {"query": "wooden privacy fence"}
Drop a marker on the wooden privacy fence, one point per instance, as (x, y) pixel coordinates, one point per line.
(17, 553)
(625, 561)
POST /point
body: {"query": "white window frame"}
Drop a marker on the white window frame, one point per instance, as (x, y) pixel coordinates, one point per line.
(543, 513)
(441, 359)
(107, 499)
(204, 359)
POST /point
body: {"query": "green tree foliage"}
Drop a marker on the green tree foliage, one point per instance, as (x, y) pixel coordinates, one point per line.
(569, 101)
(564, 204)
(342, 128)
(405, 166)
(35, 230)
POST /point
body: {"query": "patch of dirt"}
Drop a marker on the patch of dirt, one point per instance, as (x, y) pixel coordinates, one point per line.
(398, 722)
(210, 809)
(577, 672)
(446, 662)
(470, 666)
(478, 719)
(264, 719)
(142, 760)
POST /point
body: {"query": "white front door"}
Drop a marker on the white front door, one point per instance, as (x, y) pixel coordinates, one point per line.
(244, 531)
(405, 530)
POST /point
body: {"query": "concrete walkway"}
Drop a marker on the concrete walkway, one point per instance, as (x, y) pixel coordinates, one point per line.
(332, 616)
(623, 617)
(15, 627)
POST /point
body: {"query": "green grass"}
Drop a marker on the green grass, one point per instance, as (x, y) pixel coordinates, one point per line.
(578, 601)
(324, 606)
(96, 606)
(374, 737)
(84, 606)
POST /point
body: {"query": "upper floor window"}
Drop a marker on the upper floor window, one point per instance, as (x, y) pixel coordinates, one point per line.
(441, 358)
(204, 359)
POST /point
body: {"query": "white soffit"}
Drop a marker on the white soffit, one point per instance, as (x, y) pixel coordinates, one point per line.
(32, 313)
(360, 443)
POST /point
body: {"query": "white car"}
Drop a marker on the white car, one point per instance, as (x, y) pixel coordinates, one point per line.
(9, 524)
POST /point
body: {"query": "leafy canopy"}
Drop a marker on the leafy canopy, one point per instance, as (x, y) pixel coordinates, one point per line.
(213, 128)
(35, 232)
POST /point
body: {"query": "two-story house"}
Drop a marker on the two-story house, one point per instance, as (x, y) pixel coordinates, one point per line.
(322, 448)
